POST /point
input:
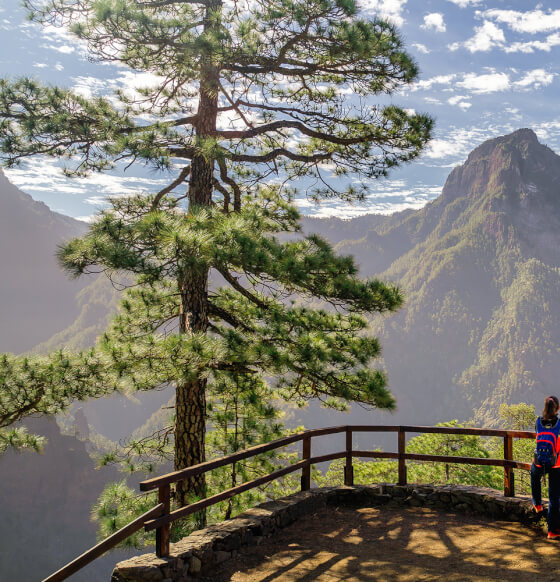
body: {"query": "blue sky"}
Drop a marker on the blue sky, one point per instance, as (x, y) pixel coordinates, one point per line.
(487, 67)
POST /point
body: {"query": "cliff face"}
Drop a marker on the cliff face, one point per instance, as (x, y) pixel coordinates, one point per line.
(45, 503)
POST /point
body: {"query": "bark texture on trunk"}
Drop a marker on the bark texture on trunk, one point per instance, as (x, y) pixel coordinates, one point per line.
(190, 422)
(190, 418)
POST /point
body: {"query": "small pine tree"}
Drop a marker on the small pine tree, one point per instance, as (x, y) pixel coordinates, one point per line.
(241, 413)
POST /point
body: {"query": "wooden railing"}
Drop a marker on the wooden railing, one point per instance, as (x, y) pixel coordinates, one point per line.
(160, 517)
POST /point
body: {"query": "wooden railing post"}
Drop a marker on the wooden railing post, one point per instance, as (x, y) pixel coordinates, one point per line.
(306, 471)
(162, 532)
(509, 485)
(401, 452)
(348, 468)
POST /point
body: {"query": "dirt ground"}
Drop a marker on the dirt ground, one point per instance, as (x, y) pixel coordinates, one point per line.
(408, 545)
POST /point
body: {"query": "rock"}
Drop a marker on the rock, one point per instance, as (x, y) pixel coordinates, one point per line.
(221, 556)
(195, 565)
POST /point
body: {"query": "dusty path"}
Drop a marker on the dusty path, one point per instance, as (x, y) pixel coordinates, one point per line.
(407, 545)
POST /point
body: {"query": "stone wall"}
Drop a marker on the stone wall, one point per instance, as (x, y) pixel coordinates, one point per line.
(198, 553)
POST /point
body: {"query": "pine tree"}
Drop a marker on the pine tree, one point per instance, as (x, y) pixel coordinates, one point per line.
(250, 96)
(241, 412)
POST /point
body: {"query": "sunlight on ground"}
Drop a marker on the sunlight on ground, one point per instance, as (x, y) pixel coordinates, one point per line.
(406, 544)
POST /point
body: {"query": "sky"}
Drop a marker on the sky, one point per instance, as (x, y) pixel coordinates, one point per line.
(487, 68)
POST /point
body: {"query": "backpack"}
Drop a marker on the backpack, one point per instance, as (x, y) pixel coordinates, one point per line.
(547, 449)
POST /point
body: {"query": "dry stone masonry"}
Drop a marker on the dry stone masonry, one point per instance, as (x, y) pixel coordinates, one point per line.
(198, 553)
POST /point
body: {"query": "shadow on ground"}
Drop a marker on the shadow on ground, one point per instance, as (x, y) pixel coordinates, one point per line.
(412, 544)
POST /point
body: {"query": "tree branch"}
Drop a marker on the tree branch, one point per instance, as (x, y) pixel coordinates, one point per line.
(239, 288)
(227, 317)
(162, 3)
(180, 179)
(286, 124)
(232, 183)
(276, 153)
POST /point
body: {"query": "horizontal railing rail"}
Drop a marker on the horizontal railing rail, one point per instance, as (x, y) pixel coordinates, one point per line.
(160, 517)
(156, 482)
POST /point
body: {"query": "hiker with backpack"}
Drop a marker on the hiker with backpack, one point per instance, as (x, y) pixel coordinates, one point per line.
(547, 460)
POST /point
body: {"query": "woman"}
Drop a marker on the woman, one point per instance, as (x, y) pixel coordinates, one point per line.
(547, 460)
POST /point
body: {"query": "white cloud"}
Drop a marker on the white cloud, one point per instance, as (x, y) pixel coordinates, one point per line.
(65, 49)
(455, 146)
(136, 80)
(434, 21)
(533, 21)
(489, 81)
(100, 201)
(465, 3)
(44, 175)
(486, 83)
(549, 129)
(59, 67)
(87, 86)
(40, 65)
(385, 198)
(389, 9)
(460, 101)
(551, 41)
(438, 80)
(535, 79)
(513, 113)
(56, 38)
(486, 37)
(421, 48)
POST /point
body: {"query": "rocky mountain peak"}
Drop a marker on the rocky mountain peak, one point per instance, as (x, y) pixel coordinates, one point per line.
(515, 168)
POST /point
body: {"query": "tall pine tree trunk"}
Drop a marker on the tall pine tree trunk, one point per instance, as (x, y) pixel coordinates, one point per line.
(190, 422)
(190, 413)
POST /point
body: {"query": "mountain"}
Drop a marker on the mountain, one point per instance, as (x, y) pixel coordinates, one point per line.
(46, 499)
(46, 502)
(480, 270)
(37, 299)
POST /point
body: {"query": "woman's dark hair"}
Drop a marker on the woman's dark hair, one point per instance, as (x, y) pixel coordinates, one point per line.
(550, 409)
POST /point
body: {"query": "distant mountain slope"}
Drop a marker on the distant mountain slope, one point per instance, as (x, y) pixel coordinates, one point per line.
(36, 298)
(96, 303)
(481, 276)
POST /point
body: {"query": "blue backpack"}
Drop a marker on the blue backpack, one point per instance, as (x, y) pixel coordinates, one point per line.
(546, 452)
